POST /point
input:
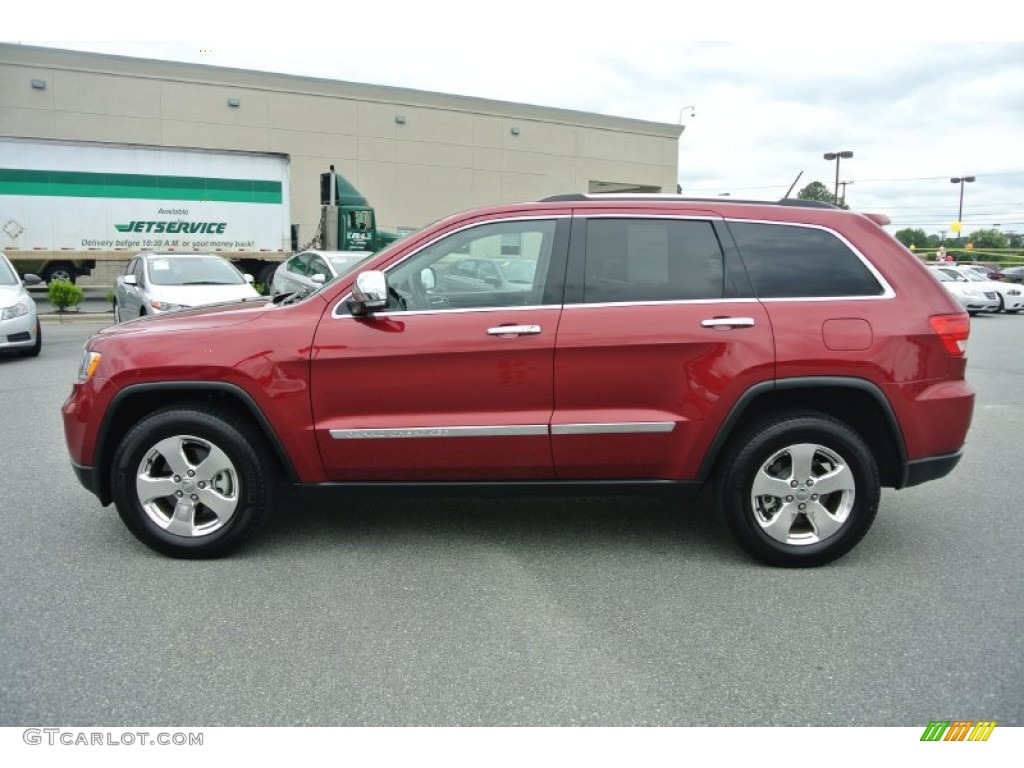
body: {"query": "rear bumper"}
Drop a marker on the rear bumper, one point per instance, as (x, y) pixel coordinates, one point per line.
(932, 468)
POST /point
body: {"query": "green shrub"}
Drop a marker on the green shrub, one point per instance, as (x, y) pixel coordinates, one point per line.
(64, 294)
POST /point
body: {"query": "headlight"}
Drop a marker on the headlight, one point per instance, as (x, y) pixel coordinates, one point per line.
(18, 310)
(166, 306)
(90, 362)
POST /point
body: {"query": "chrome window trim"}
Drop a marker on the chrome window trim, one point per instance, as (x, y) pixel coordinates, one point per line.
(335, 315)
(391, 433)
(887, 290)
(653, 303)
(449, 311)
(613, 428)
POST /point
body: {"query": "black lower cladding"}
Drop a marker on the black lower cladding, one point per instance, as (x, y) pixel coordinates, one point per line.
(89, 477)
(932, 468)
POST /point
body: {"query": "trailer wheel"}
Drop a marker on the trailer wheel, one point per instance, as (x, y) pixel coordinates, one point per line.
(59, 270)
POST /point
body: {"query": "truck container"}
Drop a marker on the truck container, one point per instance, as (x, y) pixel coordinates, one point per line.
(64, 205)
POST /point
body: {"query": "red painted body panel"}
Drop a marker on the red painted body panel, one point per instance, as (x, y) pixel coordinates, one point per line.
(653, 363)
(434, 370)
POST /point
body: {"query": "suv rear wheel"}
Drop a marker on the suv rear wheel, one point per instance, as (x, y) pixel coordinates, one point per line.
(798, 489)
(191, 483)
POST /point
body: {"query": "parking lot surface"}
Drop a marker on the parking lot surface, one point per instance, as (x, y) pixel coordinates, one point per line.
(554, 612)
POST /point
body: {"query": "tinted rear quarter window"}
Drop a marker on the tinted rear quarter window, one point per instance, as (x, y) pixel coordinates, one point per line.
(787, 261)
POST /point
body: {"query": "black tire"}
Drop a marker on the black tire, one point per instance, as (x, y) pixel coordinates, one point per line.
(187, 436)
(266, 277)
(34, 350)
(826, 526)
(60, 270)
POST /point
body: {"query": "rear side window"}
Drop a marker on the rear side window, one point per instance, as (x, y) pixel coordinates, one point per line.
(786, 261)
(651, 260)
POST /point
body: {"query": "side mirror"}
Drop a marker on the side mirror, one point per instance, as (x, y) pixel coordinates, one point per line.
(129, 280)
(249, 278)
(318, 279)
(30, 279)
(369, 293)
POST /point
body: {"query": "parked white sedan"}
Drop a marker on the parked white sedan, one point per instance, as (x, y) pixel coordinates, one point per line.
(971, 298)
(1009, 296)
(309, 270)
(19, 325)
(154, 283)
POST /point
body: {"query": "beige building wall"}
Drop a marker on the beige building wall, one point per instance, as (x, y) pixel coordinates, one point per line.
(415, 155)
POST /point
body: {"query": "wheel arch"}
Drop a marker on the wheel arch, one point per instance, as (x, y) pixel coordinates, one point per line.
(862, 406)
(136, 401)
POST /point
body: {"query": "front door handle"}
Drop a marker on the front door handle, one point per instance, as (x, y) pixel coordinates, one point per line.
(514, 330)
(728, 322)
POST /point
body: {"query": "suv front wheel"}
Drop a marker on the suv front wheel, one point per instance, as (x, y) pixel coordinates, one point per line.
(798, 489)
(191, 483)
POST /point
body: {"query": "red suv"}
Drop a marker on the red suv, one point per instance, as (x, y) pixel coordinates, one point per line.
(793, 353)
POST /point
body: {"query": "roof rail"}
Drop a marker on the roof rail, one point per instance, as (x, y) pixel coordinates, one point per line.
(579, 197)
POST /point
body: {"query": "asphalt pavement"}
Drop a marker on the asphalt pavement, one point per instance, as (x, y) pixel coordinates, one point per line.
(600, 612)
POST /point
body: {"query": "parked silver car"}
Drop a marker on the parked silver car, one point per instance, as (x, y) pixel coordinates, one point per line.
(1010, 297)
(971, 297)
(19, 324)
(154, 283)
(309, 270)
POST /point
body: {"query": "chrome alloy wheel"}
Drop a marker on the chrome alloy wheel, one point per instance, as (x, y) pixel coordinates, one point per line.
(803, 494)
(187, 486)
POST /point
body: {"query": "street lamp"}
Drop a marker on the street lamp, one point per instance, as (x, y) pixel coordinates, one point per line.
(845, 155)
(693, 113)
(961, 180)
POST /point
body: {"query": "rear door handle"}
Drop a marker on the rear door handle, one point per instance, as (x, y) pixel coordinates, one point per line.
(728, 322)
(514, 330)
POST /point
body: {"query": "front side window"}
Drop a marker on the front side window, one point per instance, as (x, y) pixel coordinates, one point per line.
(297, 265)
(786, 261)
(464, 270)
(631, 260)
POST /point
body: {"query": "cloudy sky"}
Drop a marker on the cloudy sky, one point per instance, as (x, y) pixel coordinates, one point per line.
(800, 79)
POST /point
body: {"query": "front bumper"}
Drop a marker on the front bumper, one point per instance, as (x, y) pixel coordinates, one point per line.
(89, 477)
(19, 332)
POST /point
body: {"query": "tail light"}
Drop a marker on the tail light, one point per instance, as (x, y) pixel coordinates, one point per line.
(953, 330)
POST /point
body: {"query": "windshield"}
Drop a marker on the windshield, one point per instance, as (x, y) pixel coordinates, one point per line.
(974, 277)
(7, 276)
(344, 262)
(942, 277)
(190, 270)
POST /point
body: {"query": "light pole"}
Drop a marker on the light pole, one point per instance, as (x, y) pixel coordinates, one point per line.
(843, 185)
(961, 180)
(693, 112)
(845, 155)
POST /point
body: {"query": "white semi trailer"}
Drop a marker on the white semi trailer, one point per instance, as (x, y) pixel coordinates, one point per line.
(64, 205)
